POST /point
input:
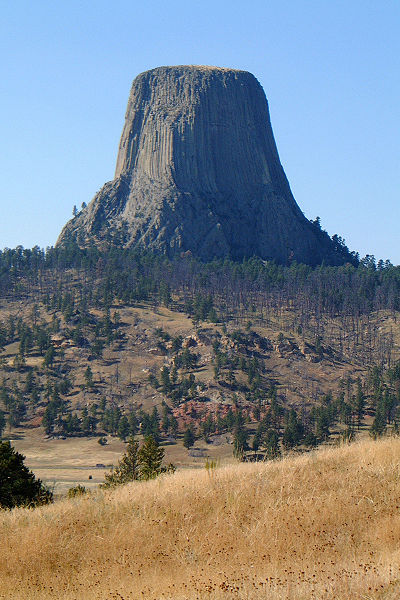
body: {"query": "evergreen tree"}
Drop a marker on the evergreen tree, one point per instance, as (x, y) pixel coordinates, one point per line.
(155, 424)
(293, 431)
(188, 438)
(275, 409)
(230, 419)
(165, 423)
(89, 378)
(138, 464)
(378, 426)
(322, 422)
(150, 458)
(103, 404)
(388, 404)
(128, 468)
(49, 357)
(257, 438)
(29, 382)
(49, 419)
(165, 380)
(93, 418)
(240, 437)
(174, 375)
(177, 343)
(271, 443)
(174, 426)
(18, 485)
(310, 440)
(359, 403)
(133, 424)
(86, 424)
(123, 428)
(207, 428)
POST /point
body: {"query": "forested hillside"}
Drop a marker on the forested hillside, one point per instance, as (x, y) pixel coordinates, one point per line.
(252, 357)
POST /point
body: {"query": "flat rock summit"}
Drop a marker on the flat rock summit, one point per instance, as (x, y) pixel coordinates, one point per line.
(198, 170)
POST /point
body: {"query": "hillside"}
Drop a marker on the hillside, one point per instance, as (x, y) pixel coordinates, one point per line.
(99, 346)
(121, 375)
(321, 525)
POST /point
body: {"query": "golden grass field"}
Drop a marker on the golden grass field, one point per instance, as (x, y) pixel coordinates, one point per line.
(322, 525)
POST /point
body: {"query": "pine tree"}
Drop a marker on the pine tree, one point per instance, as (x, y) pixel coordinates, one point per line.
(49, 357)
(49, 418)
(29, 382)
(133, 424)
(257, 438)
(150, 458)
(188, 438)
(128, 468)
(378, 426)
(177, 343)
(174, 426)
(85, 420)
(165, 423)
(89, 378)
(207, 428)
(165, 380)
(18, 485)
(240, 437)
(271, 443)
(293, 432)
(155, 424)
(123, 428)
(359, 403)
(230, 419)
(138, 464)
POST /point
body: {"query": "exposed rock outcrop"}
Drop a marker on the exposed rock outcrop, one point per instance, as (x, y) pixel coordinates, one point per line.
(198, 170)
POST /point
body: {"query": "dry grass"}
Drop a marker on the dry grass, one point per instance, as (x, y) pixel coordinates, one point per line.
(324, 525)
(62, 464)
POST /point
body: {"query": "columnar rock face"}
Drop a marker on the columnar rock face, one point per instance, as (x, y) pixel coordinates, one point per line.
(198, 170)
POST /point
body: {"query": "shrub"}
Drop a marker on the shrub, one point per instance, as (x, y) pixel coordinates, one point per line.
(78, 490)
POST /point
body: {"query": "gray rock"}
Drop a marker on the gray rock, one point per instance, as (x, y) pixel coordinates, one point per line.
(198, 170)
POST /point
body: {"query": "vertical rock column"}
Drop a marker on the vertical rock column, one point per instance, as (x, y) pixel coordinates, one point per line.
(198, 169)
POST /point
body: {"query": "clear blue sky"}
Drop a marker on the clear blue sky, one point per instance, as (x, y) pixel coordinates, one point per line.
(330, 70)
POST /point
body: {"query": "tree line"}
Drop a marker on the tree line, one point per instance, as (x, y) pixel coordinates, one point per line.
(132, 275)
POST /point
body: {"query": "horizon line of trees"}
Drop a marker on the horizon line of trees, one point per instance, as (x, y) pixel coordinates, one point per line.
(133, 275)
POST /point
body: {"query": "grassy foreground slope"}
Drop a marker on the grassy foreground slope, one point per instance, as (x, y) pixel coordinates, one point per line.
(323, 525)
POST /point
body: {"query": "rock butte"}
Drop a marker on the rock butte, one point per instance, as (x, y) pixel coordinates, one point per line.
(198, 170)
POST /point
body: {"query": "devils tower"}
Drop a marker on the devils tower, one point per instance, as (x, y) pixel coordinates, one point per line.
(198, 170)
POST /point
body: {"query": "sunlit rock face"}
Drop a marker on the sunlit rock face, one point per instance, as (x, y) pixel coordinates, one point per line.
(198, 170)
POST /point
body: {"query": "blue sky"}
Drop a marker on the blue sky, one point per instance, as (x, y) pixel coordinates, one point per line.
(330, 70)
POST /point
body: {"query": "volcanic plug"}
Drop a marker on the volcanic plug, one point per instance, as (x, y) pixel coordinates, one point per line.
(198, 170)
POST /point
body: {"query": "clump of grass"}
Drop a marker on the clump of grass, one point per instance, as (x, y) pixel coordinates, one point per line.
(77, 490)
(325, 525)
(211, 465)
